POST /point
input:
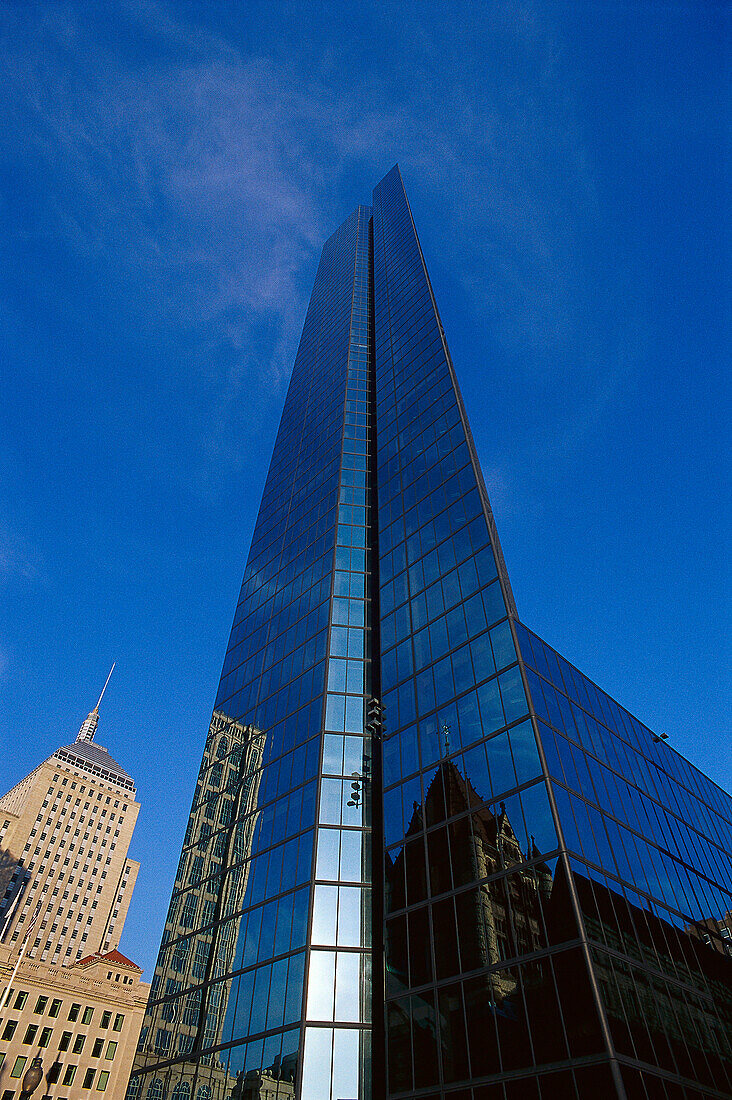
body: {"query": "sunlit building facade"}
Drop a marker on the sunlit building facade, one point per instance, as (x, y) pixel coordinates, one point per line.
(434, 860)
(71, 1004)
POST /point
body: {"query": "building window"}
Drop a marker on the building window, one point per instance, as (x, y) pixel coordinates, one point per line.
(97, 1048)
(79, 1044)
(111, 1050)
(10, 1027)
(102, 1082)
(63, 1043)
(134, 1089)
(41, 1004)
(69, 1075)
(87, 1017)
(19, 1066)
(45, 1038)
(21, 999)
(55, 1007)
(118, 1021)
(74, 1012)
(8, 1094)
(162, 1040)
(106, 1017)
(31, 1033)
(88, 1079)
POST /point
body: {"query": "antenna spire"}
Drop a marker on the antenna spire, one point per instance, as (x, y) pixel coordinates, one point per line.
(105, 685)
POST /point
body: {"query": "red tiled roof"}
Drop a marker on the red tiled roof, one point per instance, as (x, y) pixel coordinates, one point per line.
(111, 957)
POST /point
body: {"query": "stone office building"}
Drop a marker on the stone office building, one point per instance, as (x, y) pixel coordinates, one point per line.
(67, 996)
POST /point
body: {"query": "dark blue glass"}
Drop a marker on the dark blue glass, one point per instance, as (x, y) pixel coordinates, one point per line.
(651, 866)
(426, 855)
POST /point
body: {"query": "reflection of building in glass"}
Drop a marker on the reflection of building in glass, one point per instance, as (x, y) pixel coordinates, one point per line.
(502, 918)
(437, 788)
(662, 997)
(273, 1083)
(187, 1009)
(715, 933)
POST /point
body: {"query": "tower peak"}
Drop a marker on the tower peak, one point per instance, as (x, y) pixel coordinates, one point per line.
(90, 723)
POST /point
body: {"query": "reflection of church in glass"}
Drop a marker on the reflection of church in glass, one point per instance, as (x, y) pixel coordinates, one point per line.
(496, 913)
(454, 840)
(502, 918)
(188, 1007)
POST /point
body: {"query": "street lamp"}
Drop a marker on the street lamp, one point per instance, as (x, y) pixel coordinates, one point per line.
(32, 1078)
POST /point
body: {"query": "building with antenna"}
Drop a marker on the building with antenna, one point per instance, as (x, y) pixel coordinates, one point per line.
(65, 889)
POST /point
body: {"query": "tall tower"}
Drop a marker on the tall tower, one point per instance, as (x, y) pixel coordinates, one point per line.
(64, 834)
(441, 862)
(71, 1004)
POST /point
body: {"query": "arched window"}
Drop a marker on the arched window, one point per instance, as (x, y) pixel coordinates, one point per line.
(156, 1090)
(182, 1091)
(134, 1088)
(203, 1092)
(221, 751)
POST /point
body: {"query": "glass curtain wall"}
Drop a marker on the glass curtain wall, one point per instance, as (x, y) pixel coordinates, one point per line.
(269, 920)
(426, 857)
(475, 902)
(650, 842)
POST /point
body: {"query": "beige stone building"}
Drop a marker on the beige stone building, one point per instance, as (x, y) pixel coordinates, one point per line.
(65, 888)
(82, 1021)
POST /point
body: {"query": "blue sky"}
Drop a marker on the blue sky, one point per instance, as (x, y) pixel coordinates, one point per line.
(168, 174)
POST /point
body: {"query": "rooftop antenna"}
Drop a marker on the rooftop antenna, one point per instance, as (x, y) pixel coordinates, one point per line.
(105, 685)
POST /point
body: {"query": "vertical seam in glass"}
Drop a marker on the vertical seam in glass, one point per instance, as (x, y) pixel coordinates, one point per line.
(309, 943)
(391, 372)
(321, 735)
(378, 850)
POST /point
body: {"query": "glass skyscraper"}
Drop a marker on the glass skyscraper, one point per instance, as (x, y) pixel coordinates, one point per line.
(426, 856)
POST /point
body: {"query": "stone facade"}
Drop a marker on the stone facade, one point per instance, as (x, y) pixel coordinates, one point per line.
(67, 996)
(82, 1021)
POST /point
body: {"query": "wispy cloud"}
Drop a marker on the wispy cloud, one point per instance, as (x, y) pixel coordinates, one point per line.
(204, 179)
(19, 559)
(181, 177)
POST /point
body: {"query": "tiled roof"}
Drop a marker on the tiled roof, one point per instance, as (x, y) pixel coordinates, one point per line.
(111, 957)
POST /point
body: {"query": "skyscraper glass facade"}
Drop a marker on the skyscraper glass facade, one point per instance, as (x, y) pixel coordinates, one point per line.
(426, 857)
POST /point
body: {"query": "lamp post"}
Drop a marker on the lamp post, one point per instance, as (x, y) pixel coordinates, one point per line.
(32, 1078)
